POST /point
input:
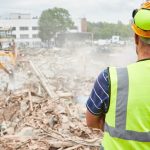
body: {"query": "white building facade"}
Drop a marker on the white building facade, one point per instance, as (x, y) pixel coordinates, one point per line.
(25, 29)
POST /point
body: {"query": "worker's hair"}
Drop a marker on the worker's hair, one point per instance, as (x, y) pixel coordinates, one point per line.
(145, 40)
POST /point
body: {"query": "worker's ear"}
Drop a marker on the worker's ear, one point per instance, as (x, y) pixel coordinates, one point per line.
(137, 38)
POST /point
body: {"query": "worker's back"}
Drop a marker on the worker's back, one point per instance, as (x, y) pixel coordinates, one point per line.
(127, 124)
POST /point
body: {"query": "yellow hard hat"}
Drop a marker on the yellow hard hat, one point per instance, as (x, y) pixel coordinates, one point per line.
(141, 20)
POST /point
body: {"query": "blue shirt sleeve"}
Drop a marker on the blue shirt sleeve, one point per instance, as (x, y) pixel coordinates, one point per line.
(98, 101)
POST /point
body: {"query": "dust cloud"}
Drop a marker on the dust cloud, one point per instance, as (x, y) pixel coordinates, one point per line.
(70, 68)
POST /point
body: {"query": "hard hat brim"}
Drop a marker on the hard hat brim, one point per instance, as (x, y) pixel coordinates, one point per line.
(140, 32)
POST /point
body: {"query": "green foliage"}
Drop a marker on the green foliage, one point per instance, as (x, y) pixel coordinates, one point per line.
(104, 30)
(52, 21)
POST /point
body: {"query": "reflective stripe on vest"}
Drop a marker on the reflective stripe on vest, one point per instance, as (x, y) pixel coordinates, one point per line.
(121, 110)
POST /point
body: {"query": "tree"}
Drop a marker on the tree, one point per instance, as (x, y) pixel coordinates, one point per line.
(104, 30)
(52, 21)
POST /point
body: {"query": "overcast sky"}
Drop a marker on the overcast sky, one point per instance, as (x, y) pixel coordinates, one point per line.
(93, 10)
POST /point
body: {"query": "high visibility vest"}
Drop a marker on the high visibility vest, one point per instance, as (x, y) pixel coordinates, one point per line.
(127, 123)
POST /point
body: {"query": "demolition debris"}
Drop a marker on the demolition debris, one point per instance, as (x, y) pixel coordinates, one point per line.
(41, 112)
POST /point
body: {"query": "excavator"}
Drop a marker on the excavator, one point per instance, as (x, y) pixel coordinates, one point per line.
(8, 53)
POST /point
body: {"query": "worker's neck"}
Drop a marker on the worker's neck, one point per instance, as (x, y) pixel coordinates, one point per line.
(143, 53)
(142, 57)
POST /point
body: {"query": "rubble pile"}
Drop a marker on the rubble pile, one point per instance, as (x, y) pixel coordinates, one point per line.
(42, 112)
(46, 109)
(37, 122)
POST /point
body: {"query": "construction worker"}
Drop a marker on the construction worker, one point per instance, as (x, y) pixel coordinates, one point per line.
(14, 51)
(0, 45)
(13, 44)
(119, 103)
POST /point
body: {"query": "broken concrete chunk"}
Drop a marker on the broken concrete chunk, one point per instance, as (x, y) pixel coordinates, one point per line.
(62, 94)
(26, 131)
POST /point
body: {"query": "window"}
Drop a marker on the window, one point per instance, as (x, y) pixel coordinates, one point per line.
(24, 36)
(35, 28)
(35, 36)
(24, 28)
(14, 36)
(3, 34)
(13, 28)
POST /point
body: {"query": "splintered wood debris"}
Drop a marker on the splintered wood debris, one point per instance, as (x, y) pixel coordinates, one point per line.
(29, 121)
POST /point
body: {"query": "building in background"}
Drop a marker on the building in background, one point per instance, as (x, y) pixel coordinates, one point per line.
(26, 32)
(25, 29)
(75, 38)
(83, 25)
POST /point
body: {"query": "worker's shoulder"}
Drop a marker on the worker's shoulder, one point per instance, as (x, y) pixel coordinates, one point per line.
(104, 75)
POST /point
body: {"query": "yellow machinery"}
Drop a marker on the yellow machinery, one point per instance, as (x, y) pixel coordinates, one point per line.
(7, 50)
